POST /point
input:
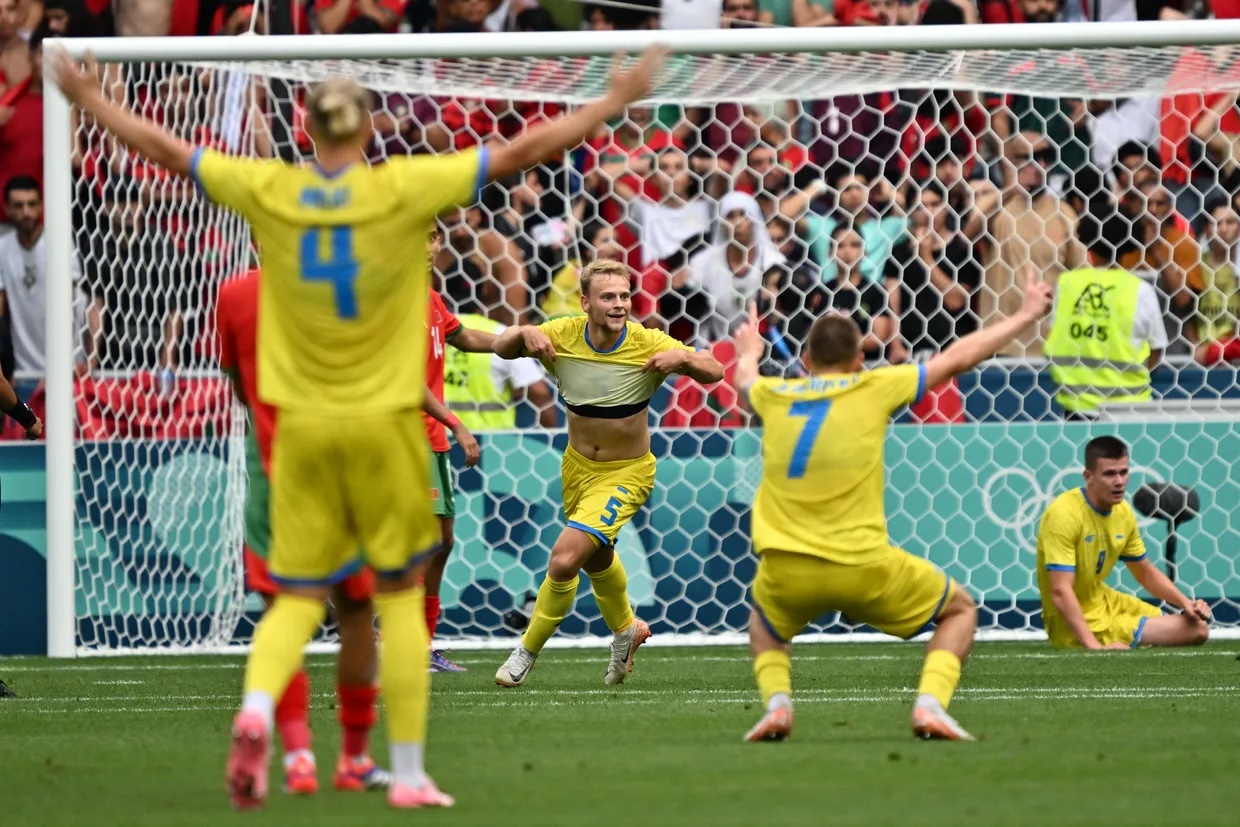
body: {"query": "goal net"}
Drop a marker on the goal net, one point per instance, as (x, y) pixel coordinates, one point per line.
(901, 182)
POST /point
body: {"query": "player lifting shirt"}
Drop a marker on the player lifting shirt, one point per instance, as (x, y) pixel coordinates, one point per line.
(819, 525)
(607, 368)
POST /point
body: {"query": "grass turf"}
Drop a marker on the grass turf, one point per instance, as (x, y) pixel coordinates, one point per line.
(1142, 738)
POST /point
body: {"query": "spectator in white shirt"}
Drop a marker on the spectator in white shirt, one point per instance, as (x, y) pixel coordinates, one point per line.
(23, 274)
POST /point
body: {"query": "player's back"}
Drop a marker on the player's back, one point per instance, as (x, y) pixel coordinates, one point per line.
(343, 298)
(822, 445)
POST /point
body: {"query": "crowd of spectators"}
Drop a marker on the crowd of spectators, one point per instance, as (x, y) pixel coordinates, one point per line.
(915, 211)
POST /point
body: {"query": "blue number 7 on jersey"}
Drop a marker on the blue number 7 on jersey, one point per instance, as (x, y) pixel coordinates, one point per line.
(340, 269)
(816, 412)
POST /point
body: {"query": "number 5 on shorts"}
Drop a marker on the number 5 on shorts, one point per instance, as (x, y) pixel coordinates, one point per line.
(340, 269)
(815, 411)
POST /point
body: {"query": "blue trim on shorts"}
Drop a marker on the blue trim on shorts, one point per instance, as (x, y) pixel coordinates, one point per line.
(921, 382)
(484, 170)
(418, 557)
(767, 623)
(347, 570)
(1136, 638)
(934, 616)
(593, 532)
(195, 159)
(1059, 567)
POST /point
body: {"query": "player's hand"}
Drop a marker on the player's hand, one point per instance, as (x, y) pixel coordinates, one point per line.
(76, 81)
(1038, 294)
(669, 361)
(1098, 647)
(469, 444)
(1199, 610)
(631, 84)
(748, 338)
(537, 344)
(36, 430)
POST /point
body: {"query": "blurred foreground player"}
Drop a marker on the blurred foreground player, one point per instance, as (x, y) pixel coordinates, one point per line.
(1082, 535)
(342, 338)
(819, 525)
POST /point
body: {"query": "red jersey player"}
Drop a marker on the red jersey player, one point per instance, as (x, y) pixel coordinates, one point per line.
(445, 328)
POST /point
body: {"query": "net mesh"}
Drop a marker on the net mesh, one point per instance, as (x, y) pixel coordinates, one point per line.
(906, 190)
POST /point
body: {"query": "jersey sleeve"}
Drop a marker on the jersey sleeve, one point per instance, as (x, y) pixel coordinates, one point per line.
(1058, 537)
(559, 330)
(437, 182)
(651, 341)
(228, 179)
(901, 385)
(451, 324)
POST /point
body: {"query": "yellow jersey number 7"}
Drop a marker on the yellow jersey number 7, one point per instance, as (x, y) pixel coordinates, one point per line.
(339, 269)
(815, 412)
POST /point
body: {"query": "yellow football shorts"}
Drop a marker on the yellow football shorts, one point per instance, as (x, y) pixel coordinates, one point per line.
(340, 485)
(1117, 618)
(600, 497)
(896, 593)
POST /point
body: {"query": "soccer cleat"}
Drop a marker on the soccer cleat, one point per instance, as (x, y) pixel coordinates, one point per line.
(439, 663)
(355, 775)
(623, 647)
(776, 725)
(247, 761)
(516, 669)
(301, 777)
(932, 723)
(428, 795)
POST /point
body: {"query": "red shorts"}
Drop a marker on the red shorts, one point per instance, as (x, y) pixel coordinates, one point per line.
(1224, 350)
(357, 587)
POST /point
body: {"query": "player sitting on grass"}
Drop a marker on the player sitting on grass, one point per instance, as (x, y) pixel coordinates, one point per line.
(445, 328)
(341, 347)
(1082, 534)
(819, 525)
(607, 368)
(356, 689)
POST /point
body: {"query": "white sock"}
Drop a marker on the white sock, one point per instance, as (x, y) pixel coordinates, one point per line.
(778, 701)
(263, 704)
(407, 767)
(929, 702)
(291, 758)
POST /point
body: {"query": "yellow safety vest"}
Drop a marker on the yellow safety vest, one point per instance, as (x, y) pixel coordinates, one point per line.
(468, 389)
(1090, 349)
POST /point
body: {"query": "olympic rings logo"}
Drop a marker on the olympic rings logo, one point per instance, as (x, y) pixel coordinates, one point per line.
(1013, 500)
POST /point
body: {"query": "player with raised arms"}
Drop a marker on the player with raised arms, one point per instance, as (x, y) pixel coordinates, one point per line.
(342, 357)
(1083, 533)
(607, 368)
(819, 525)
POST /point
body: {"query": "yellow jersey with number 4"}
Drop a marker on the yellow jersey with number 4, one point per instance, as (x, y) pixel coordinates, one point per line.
(822, 460)
(342, 309)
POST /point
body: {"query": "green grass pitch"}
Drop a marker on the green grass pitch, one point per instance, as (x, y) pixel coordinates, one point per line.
(1099, 740)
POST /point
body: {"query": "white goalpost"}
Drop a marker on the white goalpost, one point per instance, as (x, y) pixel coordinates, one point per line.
(145, 477)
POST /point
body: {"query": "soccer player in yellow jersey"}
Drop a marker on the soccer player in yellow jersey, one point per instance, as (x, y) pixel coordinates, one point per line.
(607, 368)
(1081, 536)
(342, 339)
(819, 526)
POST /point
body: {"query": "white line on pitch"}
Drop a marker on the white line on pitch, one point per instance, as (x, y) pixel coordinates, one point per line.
(119, 683)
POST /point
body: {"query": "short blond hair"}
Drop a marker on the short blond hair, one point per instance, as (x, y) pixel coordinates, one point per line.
(337, 109)
(603, 268)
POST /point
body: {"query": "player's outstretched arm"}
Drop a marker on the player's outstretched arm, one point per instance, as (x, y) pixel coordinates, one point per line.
(549, 140)
(1160, 585)
(437, 411)
(1069, 608)
(973, 349)
(80, 84)
(468, 340)
(749, 350)
(523, 340)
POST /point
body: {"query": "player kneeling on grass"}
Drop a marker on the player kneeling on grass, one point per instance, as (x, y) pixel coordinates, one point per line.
(819, 526)
(1081, 536)
(607, 368)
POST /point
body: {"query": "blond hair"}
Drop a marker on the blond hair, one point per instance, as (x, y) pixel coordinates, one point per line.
(602, 269)
(337, 109)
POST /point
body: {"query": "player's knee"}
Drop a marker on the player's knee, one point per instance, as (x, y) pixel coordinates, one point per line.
(1198, 633)
(569, 554)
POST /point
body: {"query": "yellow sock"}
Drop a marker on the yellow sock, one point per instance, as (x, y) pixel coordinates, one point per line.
(404, 657)
(279, 644)
(939, 676)
(555, 601)
(611, 592)
(773, 672)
